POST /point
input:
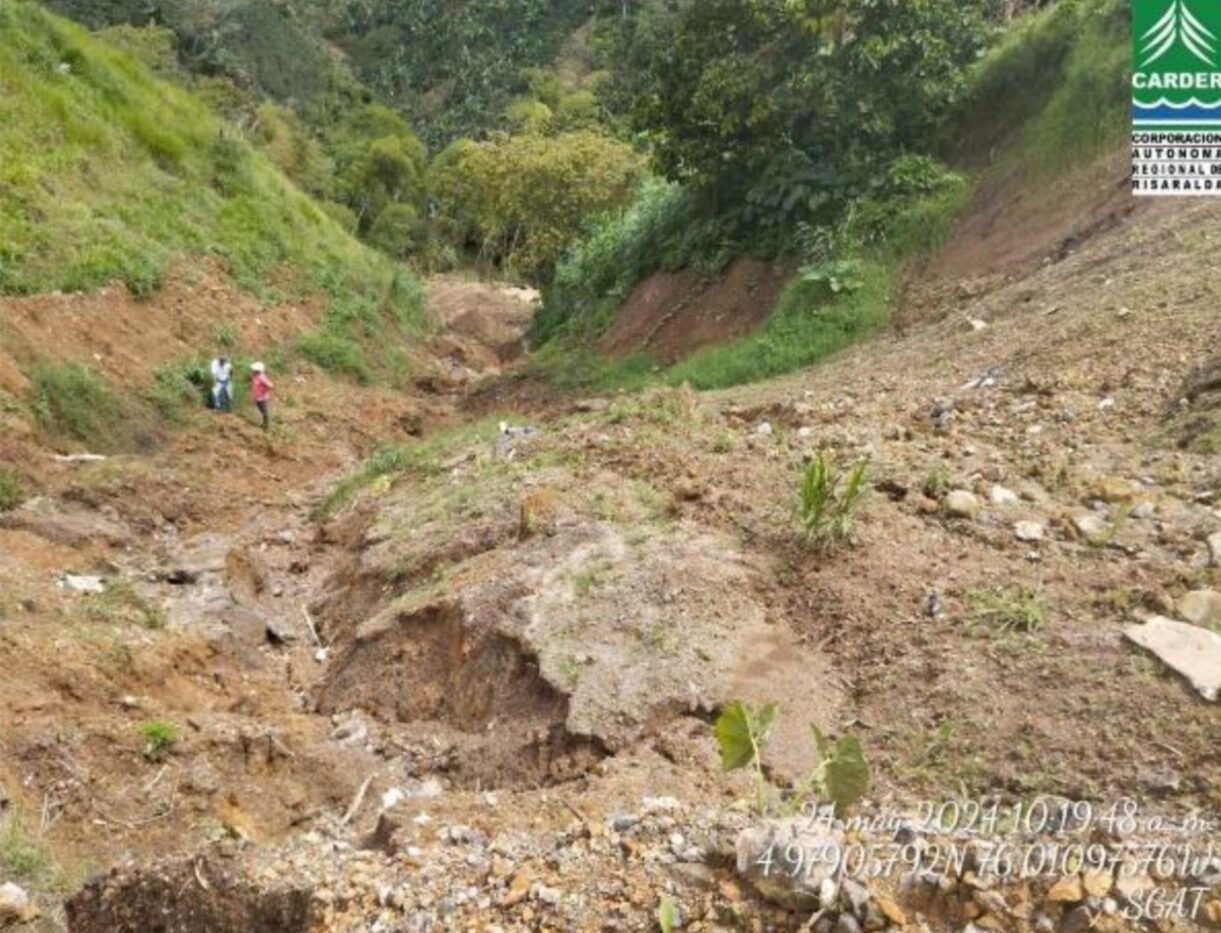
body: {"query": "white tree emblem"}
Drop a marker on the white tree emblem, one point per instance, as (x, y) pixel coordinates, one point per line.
(1178, 24)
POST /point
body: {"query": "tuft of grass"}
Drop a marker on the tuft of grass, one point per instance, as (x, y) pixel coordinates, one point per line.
(160, 736)
(1011, 609)
(119, 603)
(69, 400)
(937, 483)
(23, 858)
(589, 577)
(11, 492)
(827, 500)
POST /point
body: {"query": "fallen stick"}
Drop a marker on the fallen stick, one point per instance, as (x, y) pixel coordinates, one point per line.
(313, 631)
(357, 801)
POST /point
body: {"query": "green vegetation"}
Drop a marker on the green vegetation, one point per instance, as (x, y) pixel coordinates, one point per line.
(110, 173)
(71, 401)
(827, 500)
(518, 201)
(423, 458)
(1053, 93)
(23, 858)
(120, 603)
(11, 492)
(741, 733)
(160, 736)
(668, 916)
(840, 775)
(1012, 609)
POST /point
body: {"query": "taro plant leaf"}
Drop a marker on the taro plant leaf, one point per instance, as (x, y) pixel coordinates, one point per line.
(842, 774)
(741, 731)
(667, 916)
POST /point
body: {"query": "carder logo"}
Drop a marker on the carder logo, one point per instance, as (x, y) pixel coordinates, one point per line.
(1176, 97)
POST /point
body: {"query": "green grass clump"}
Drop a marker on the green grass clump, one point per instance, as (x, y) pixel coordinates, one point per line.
(827, 499)
(120, 603)
(11, 492)
(22, 857)
(69, 400)
(1012, 609)
(160, 736)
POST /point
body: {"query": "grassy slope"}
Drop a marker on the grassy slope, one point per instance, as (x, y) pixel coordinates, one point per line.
(109, 173)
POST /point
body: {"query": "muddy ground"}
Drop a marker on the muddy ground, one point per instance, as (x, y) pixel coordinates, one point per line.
(478, 694)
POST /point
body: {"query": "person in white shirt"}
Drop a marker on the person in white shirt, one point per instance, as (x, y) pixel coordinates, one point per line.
(222, 384)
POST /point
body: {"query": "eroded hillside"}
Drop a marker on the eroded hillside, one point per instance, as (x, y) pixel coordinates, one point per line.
(470, 686)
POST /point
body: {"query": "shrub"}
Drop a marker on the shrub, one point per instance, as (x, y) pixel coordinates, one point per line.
(160, 736)
(523, 199)
(69, 400)
(10, 490)
(397, 230)
(336, 352)
(827, 499)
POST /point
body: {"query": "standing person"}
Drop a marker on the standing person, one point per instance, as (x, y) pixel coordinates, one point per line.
(261, 388)
(222, 384)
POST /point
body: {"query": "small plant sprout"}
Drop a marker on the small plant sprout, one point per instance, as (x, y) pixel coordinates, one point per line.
(160, 735)
(741, 732)
(827, 500)
(842, 775)
(668, 917)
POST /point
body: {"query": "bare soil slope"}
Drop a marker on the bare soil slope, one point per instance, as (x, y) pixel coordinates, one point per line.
(478, 696)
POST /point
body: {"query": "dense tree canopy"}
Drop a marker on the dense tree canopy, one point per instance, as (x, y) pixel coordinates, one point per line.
(772, 106)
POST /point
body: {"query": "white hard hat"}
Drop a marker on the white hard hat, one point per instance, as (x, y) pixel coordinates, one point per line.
(257, 368)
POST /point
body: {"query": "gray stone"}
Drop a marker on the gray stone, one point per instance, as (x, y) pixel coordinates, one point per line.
(761, 851)
(1189, 649)
(847, 924)
(1214, 549)
(1002, 496)
(1028, 531)
(1091, 527)
(1203, 607)
(1144, 509)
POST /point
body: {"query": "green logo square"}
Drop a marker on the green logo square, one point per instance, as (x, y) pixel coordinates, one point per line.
(1176, 64)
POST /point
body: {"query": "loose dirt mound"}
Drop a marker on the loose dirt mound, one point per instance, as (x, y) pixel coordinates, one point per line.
(672, 314)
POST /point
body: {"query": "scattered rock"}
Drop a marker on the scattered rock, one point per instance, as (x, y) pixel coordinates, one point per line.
(1002, 496)
(1203, 607)
(1092, 528)
(1068, 890)
(1028, 531)
(962, 504)
(82, 584)
(1214, 549)
(15, 905)
(1112, 489)
(1097, 883)
(790, 838)
(764, 428)
(1143, 510)
(1192, 651)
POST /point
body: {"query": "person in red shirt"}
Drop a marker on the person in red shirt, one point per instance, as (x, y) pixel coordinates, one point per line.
(261, 389)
